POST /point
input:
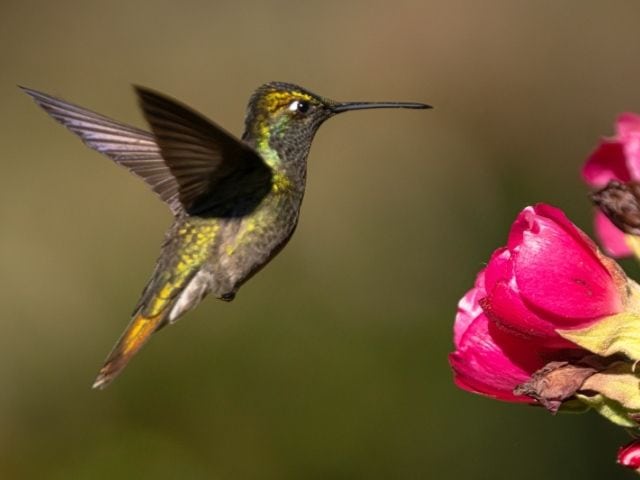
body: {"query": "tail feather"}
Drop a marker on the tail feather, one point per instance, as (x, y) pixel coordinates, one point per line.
(134, 337)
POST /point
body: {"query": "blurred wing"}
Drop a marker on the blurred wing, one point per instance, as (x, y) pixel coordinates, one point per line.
(128, 146)
(212, 167)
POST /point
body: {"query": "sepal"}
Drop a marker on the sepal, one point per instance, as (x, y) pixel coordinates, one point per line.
(610, 409)
(616, 334)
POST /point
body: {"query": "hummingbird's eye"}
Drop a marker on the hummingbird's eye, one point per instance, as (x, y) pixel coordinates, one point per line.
(299, 106)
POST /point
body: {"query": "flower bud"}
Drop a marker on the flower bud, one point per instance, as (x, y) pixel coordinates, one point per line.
(629, 455)
(550, 276)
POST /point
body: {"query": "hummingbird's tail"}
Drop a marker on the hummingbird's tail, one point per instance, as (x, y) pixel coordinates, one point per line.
(133, 338)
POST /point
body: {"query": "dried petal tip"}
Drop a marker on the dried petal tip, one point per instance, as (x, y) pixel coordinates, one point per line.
(555, 383)
(620, 202)
(629, 455)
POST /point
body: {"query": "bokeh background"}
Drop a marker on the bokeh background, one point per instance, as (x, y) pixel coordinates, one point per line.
(332, 362)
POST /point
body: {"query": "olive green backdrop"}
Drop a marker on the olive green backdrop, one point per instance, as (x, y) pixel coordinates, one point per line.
(332, 362)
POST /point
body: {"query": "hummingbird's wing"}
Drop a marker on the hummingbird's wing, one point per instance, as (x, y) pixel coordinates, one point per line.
(128, 146)
(217, 174)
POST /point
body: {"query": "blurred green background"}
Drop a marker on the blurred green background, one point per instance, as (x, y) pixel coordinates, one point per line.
(331, 363)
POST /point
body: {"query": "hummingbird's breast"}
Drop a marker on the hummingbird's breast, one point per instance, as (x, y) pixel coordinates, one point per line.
(248, 243)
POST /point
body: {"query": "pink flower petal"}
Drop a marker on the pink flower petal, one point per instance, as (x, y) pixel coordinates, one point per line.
(628, 128)
(560, 275)
(559, 217)
(498, 268)
(550, 276)
(606, 163)
(491, 362)
(503, 303)
(468, 308)
(611, 237)
(505, 306)
(473, 385)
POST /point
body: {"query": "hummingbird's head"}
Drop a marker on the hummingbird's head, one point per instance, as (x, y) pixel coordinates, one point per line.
(285, 117)
(285, 111)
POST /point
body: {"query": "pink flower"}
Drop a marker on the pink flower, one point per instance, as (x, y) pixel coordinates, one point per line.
(616, 158)
(629, 455)
(550, 276)
(488, 360)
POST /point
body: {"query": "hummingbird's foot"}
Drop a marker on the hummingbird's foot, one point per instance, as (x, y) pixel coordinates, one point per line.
(227, 297)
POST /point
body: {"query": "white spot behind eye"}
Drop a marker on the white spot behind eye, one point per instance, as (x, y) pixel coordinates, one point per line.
(293, 106)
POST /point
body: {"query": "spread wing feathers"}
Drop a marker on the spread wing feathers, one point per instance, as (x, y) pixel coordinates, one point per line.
(206, 161)
(128, 146)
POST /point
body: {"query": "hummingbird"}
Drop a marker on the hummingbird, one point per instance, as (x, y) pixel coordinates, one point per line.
(235, 202)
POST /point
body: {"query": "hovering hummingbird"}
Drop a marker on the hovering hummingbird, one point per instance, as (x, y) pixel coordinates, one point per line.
(235, 202)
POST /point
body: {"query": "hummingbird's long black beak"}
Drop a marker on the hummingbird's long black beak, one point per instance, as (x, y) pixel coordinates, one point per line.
(346, 106)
